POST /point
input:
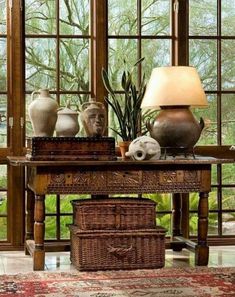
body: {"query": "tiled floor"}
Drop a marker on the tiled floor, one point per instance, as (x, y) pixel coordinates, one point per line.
(14, 262)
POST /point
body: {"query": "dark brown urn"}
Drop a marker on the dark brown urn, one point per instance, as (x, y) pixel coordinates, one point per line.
(175, 127)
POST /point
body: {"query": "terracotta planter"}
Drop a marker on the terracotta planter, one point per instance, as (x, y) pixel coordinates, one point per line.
(124, 146)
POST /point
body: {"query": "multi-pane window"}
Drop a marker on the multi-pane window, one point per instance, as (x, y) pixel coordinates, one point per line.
(62, 53)
(211, 51)
(137, 29)
(57, 57)
(57, 45)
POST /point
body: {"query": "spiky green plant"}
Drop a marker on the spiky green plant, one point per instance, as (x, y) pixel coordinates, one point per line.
(128, 112)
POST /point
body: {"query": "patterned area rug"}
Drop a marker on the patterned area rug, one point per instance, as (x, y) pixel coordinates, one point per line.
(166, 282)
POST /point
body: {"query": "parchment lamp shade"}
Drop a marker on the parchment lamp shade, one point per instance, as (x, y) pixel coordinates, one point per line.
(174, 89)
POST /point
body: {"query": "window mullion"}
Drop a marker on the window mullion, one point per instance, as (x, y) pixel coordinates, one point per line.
(180, 32)
(99, 47)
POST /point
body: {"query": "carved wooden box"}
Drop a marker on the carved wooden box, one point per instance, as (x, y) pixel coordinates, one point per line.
(114, 213)
(71, 148)
(129, 249)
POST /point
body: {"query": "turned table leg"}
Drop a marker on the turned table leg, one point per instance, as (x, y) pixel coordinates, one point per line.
(39, 231)
(202, 249)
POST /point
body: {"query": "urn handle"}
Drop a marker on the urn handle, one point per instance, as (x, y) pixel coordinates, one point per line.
(149, 125)
(42, 93)
(202, 123)
(33, 94)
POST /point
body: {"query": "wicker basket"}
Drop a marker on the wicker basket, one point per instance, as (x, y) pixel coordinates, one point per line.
(101, 250)
(114, 214)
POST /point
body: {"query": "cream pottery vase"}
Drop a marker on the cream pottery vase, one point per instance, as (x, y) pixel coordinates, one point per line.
(67, 123)
(43, 113)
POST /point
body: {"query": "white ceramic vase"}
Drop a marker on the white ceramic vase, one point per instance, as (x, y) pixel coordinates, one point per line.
(43, 113)
(67, 122)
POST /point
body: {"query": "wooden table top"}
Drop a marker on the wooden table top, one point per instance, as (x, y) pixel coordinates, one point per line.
(23, 161)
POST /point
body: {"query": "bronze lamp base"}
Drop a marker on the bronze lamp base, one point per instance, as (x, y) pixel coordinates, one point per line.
(175, 126)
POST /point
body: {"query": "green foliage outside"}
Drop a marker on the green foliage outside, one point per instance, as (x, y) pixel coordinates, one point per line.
(65, 218)
(3, 228)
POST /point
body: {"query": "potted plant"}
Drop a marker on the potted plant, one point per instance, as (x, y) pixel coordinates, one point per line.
(127, 108)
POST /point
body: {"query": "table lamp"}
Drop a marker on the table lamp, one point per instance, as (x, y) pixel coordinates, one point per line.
(174, 90)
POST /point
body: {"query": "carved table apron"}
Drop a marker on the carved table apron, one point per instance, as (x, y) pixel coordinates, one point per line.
(117, 177)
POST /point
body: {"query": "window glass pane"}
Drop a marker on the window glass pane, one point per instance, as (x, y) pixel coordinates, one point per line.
(214, 174)
(3, 17)
(228, 176)
(29, 128)
(65, 204)
(3, 203)
(75, 100)
(213, 224)
(3, 64)
(209, 115)
(64, 228)
(228, 201)
(3, 228)
(203, 56)
(228, 225)
(122, 17)
(193, 221)
(74, 64)
(156, 17)
(228, 119)
(157, 53)
(50, 204)
(113, 120)
(74, 17)
(164, 220)
(113, 125)
(203, 17)
(3, 176)
(228, 65)
(163, 201)
(213, 201)
(40, 64)
(194, 200)
(50, 227)
(122, 55)
(40, 16)
(228, 17)
(3, 120)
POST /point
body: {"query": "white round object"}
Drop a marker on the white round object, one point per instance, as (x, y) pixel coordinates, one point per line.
(144, 148)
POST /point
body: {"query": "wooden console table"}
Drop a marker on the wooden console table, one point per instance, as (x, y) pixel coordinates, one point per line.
(118, 177)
